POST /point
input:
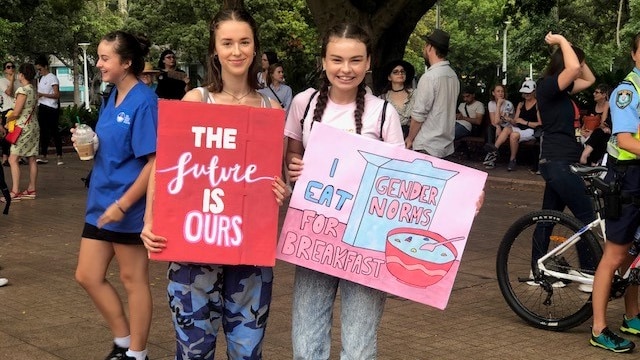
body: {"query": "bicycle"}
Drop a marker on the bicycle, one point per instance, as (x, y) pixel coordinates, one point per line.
(550, 293)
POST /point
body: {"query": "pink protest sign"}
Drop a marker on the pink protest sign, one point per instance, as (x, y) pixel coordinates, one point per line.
(214, 169)
(379, 215)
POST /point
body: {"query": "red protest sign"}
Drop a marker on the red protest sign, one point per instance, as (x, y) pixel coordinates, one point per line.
(214, 169)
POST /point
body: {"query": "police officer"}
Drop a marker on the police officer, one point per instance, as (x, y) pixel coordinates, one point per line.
(624, 168)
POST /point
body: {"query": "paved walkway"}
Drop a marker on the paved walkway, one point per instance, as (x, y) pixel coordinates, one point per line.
(45, 315)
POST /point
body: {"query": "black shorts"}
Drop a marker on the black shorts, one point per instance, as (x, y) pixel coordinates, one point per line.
(92, 232)
(621, 230)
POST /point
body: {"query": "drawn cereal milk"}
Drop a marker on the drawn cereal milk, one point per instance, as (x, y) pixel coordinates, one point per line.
(406, 195)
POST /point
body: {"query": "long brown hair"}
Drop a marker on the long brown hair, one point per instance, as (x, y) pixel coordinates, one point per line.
(214, 69)
(556, 63)
(343, 31)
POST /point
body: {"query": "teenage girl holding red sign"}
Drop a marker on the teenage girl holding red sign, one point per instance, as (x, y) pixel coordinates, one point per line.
(203, 297)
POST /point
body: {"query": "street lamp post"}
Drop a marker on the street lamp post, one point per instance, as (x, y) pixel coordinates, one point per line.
(84, 47)
(504, 53)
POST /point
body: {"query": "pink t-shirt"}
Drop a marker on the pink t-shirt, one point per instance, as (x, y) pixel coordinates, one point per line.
(341, 116)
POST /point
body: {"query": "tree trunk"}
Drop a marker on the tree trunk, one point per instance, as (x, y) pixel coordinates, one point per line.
(75, 66)
(390, 23)
(618, 24)
(122, 7)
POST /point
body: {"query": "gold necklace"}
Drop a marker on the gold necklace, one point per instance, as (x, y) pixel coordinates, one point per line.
(235, 97)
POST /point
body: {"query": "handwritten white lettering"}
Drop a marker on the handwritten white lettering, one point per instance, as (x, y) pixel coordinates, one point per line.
(217, 174)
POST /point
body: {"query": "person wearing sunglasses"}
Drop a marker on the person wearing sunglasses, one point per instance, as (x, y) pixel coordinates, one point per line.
(8, 86)
(173, 83)
(398, 90)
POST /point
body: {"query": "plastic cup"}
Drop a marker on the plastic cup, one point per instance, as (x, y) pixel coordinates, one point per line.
(85, 151)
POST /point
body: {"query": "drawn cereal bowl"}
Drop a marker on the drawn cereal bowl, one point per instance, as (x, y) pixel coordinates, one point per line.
(418, 257)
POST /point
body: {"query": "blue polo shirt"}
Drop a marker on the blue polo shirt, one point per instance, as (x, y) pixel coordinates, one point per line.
(127, 135)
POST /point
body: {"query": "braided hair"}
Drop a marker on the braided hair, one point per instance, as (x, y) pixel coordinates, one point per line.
(342, 31)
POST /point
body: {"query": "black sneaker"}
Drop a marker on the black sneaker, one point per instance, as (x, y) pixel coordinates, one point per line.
(611, 341)
(117, 353)
(489, 147)
(132, 358)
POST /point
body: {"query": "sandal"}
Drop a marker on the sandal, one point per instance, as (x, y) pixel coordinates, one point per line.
(14, 197)
(27, 195)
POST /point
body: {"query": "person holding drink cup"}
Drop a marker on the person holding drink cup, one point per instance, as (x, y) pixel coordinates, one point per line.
(127, 128)
(85, 141)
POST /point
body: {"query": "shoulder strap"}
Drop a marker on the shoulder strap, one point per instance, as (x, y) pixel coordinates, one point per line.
(383, 118)
(266, 100)
(276, 95)
(205, 94)
(306, 110)
(466, 110)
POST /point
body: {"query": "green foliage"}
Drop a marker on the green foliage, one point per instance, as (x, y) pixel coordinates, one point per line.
(179, 25)
(30, 27)
(474, 52)
(74, 114)
(286, 27)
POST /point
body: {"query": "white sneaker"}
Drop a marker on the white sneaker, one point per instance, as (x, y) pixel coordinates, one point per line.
(3, 282)
(585, 288)
(556, 285)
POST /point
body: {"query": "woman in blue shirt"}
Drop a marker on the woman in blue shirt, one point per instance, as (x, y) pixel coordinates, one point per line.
(276, 89)
(115, 203)
(624, 168)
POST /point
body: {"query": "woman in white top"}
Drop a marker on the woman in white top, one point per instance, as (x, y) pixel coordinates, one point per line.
(500, 112)
(268, 58)
(48, 110)
(341, 102)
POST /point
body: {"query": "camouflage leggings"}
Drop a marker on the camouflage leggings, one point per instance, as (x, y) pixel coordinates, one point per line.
(202, 297)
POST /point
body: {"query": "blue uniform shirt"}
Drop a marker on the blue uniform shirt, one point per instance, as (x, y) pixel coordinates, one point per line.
(127, 135)
(624, 109)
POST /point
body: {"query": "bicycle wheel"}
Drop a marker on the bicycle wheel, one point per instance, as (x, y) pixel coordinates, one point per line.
(542, 301)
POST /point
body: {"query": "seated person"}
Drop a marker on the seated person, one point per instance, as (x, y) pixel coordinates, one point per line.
(526, 119)
(470, 112)
(500, 112)
(595, 145)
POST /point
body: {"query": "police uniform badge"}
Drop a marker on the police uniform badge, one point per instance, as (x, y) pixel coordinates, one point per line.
(623, 98)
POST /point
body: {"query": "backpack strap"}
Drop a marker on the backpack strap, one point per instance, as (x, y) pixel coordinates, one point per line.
(306, 110)
(383, 118)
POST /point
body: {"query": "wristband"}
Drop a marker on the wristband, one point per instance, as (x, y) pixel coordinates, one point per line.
(119, 207)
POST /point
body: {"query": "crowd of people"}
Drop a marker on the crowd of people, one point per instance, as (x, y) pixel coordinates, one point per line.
(428, 119)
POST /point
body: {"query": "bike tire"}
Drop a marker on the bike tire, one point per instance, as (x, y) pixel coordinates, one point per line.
(568, 306)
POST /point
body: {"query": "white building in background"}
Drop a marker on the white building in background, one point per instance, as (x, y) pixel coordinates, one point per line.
(65, 76)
